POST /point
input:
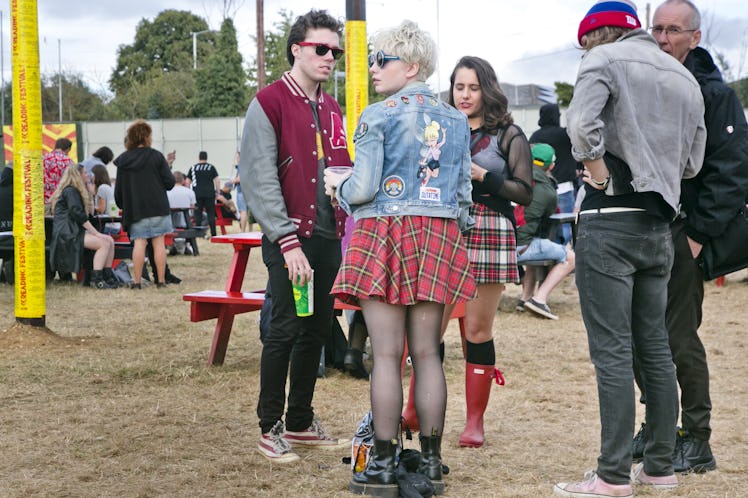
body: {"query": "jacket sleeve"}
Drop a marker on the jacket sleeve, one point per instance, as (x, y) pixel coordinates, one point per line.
(75, 206)
(518, 188)
(258, 170)
(724, 175)
(465, 187)
(584, 122)
(167, 177)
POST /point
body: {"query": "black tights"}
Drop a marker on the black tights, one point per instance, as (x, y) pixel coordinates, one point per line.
(387, 326)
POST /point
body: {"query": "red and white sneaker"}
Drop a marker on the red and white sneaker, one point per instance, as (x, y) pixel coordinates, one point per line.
(316, 436)
(638, 476)
(593, 487)
(274, 447)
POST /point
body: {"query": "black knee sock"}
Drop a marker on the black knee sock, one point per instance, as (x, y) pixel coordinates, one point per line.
(480, 354)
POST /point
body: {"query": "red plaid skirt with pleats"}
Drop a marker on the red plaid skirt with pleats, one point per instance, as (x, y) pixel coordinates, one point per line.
(405, 260)
(492, 247)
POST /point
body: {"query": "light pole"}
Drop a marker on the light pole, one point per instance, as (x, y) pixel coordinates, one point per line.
(194, 46)
(59, 75)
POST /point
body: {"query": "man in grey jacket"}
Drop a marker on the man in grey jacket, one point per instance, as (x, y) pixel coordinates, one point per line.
(636, 121)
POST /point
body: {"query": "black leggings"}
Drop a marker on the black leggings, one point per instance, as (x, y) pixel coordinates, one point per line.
(387, 326)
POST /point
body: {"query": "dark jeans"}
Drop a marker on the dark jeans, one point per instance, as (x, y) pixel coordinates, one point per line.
(209, 205)
(683, 318)
(623, 266)
(293, 343)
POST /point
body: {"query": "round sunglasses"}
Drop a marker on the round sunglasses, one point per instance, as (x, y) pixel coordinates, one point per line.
(381, 58)
(321, 49)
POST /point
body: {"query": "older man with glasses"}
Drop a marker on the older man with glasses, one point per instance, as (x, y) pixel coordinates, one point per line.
(708, 202)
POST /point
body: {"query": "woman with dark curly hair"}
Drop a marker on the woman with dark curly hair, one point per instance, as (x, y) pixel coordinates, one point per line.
(501, 172)
(143, 177)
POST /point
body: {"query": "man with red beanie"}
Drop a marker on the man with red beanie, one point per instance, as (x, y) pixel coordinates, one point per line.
(636, 121)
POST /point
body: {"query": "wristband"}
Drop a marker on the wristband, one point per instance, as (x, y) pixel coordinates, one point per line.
(603, 184)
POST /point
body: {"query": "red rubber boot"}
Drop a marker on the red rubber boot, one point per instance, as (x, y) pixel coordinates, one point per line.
(410, 419)
(477, 390)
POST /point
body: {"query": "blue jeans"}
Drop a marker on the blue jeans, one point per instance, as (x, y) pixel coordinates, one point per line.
(566, 205)
(293, 344)
(540, 249)
(622, 270)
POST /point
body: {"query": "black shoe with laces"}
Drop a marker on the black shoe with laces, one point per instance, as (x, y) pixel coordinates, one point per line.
(692, 454)
(637, 445)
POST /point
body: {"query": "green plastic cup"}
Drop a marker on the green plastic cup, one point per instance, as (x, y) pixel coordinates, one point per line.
(303, 296)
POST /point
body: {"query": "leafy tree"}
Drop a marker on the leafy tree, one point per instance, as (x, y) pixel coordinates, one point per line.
(79, 102)
(166, 95)
(163, 45)
(222, 83)
(564, 91)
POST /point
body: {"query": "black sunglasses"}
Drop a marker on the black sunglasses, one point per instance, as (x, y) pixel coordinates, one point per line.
(381, 58)
(321, 49)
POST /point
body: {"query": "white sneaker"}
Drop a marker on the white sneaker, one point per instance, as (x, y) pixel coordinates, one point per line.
(274, 447)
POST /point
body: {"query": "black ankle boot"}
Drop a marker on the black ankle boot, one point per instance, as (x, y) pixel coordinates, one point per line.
(98, 282)
(431, 461)
(110, 277)
(380, 476)
(353, 362)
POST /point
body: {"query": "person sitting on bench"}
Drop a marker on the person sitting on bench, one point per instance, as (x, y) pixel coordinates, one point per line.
(533, 243)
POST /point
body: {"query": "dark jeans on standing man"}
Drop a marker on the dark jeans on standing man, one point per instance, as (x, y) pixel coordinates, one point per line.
(295, 343)
(209, 205)
(622, 269)
(683, 319)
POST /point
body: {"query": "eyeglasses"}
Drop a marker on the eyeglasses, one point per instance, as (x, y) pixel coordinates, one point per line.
(381, 58)
(321, 49)
(669, 30)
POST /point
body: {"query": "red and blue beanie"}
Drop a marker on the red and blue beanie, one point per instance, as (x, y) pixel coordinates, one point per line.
(621, 13)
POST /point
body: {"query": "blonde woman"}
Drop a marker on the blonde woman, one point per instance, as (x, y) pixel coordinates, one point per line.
(405, 259)
(72, 231)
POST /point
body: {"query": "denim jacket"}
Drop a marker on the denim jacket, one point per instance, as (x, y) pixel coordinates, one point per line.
(640, 104)
(412, 159)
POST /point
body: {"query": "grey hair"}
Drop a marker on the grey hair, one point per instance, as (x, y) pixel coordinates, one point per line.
(411, 44)
(695, 19)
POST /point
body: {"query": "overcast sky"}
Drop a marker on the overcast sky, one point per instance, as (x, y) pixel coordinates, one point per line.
(530, 41)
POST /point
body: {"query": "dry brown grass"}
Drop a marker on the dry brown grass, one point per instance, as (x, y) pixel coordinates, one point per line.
(127, 407)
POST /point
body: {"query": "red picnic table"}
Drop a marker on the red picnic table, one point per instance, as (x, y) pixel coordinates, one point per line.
(225, 304)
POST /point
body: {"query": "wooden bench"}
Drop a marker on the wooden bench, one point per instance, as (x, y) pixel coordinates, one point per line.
(223, 305)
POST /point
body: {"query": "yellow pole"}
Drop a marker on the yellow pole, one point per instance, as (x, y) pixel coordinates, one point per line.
(28, 176)
(356, 67)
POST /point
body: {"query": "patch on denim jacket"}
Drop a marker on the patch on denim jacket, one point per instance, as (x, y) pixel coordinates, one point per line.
(405, 99)
(430, 194)
(361, 130)
(419, 98)
(393, 186)
(390, 103)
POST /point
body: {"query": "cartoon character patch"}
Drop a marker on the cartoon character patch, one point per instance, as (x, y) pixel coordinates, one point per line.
(431, 150)
(361, 130)
(405, 99)
(433, 101)
(420, 98)
(393, 186)
(390, 103)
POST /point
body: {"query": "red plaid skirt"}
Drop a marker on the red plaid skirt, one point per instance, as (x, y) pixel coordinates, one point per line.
(492, 247)
(405, 260)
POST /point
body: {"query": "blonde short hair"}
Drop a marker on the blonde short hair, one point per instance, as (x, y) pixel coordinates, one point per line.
(411, 44)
